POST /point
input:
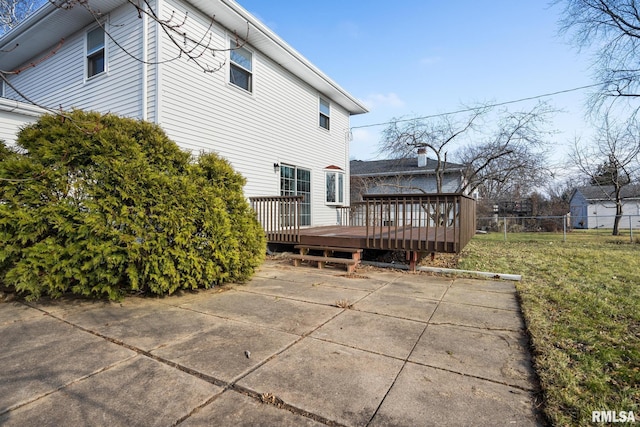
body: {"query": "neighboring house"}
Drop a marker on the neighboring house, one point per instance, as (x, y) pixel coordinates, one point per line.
(406, 175)
(594, 206)
(278, 119)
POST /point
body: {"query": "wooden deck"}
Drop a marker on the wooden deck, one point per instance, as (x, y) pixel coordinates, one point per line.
(400, 239)
(399, 222)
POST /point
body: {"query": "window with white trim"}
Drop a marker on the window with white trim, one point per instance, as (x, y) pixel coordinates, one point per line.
(295, 181)
(240, 69)
(95, 52)
(325, 113)
(335, 187)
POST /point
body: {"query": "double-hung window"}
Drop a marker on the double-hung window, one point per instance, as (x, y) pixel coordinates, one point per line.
(241, 74)
(325, 113)
(95, 52)
(335, 187)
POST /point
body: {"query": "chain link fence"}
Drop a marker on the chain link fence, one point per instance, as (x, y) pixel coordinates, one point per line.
(556, 228)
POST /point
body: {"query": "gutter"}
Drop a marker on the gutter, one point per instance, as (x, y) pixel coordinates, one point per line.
(280, 43)
(13, 106)
(404, 173)
(27, 24)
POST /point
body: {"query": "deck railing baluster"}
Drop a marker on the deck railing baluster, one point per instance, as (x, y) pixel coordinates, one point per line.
(279, 216)
(412, 222)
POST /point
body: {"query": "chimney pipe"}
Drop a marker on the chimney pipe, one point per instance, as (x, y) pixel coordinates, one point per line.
(422, 157)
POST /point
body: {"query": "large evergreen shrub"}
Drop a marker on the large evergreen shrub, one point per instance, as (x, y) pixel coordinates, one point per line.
(102, 205)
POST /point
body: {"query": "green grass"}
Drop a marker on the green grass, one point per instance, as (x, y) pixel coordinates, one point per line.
(581, 303)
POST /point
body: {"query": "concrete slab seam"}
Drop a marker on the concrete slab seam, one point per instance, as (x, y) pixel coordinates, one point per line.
(277, 402)
(266, 399)
(451, 371)
(484, 328)
(406, 360)
(483, 306)
(139, 351)
(63, 386)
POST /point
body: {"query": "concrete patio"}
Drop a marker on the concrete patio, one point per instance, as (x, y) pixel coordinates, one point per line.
(295, 346)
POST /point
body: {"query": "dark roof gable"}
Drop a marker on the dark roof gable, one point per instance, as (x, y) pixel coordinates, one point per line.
(606, 192)
(398, 166)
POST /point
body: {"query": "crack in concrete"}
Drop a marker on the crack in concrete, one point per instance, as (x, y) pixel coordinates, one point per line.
(406, 360)
(277, 402)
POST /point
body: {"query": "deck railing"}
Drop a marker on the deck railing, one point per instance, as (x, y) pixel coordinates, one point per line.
(416, 222)
(279, 216)
(408, 222)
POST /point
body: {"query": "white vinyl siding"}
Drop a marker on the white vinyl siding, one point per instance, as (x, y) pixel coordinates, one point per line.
(13, 116)
(118, 91)
(278, 123)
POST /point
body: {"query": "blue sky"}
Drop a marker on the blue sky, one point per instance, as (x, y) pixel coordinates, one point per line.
(423, 57)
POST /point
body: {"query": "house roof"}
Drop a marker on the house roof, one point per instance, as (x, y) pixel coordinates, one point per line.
(45, 28)
(404, 166)
(606, 192)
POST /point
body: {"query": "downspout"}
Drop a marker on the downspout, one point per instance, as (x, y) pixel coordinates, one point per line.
(145, 78)
(157, 113)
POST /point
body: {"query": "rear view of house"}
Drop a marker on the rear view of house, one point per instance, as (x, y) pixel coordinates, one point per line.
(244, 93)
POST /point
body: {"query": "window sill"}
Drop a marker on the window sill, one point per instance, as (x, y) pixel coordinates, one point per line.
(240, 89)
(95, 77)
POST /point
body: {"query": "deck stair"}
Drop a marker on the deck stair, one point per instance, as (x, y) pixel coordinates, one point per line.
(328, 256)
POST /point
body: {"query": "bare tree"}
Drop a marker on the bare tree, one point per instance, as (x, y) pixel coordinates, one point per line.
(496, 157)
(404, 137)
(512, 159)
(12, 12)
(496, 173)
(611, 161)
(613, 28)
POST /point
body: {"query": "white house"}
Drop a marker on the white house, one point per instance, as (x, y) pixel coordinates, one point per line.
(277, 118)
(415, 175)
(594, 206)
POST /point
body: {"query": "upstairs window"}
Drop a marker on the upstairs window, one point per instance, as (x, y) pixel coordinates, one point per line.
(335, 187)
(325, 113)
(95, 52)
(241, 68)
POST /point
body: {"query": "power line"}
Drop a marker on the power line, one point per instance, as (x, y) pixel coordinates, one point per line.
(498, 104)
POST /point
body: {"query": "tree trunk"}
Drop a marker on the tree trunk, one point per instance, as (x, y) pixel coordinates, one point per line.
(616, 222)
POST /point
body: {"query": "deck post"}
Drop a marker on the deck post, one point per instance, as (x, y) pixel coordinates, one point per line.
(412, 257)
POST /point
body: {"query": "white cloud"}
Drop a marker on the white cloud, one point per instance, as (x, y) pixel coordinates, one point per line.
(364, 144)
(377, 100)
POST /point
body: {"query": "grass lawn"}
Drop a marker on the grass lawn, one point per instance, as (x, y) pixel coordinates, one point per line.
(581, 303)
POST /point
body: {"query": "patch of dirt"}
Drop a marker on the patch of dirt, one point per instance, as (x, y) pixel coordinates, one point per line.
(440, 260)
(399, 257)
